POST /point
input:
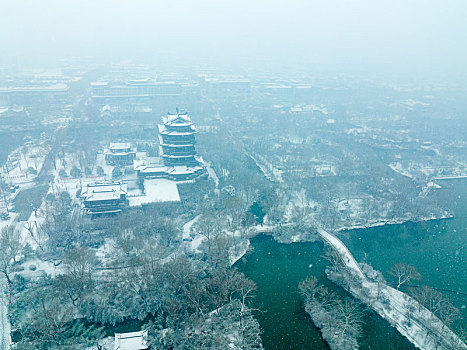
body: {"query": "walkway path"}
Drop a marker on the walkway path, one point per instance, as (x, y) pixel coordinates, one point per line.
(418, 324)
(187, 226)
(348, 258)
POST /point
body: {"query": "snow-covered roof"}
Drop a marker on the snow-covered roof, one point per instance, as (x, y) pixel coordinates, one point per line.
(131, 341)
(50, 88)
(162, 143)
(120, 146)
(163, 130)
(99, 83)
(175, 156)
(176, 145)
(182, 170)
(153, 169)
(106, 108)
(177, 118)
(103, 191)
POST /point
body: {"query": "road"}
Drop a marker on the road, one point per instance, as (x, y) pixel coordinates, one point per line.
(4, 322)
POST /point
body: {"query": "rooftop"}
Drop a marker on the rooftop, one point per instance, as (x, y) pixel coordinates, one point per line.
(131, 341)
(163, 130)
(103, 191)
(120, 146)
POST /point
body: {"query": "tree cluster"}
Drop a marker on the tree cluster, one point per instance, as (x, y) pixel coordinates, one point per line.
(340, 319)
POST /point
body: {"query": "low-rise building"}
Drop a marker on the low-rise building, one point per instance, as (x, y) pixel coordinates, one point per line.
(104, 198)
(120, 154)
(131, 341)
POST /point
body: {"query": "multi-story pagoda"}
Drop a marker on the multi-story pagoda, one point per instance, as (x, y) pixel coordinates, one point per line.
(177, 140)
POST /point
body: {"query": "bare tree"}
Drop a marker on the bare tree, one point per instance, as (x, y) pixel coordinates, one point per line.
(334, 258)
(437, 303)
(11, 246)
(309, 287)
(349, 312)
(5, 193)
(208, 227)
(404, 273)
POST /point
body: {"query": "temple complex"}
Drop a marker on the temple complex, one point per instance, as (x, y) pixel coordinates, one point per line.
(176, 150)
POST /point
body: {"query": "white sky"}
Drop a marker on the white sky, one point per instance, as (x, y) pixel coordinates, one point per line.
(401, 34)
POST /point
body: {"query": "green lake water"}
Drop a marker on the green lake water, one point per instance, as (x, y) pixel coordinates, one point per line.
(438, 249)
(277, 269)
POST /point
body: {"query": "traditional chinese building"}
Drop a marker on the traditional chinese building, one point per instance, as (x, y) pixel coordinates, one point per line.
(177, 140)
(104, 198)
(119, 154)
(177, 154)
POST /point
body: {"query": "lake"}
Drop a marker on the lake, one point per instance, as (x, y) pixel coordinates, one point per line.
(438, 250)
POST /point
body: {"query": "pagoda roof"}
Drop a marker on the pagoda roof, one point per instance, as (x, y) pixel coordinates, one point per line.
(181, 170)
(164, 131)
(181, 119)
(177, 146)
(177, 156)
(162, 143)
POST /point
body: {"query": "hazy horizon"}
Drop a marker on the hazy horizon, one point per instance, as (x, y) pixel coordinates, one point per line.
(419, 38)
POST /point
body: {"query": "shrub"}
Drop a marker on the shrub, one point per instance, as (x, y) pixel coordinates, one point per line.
(100, 171)
(75, 172)
(116, 173)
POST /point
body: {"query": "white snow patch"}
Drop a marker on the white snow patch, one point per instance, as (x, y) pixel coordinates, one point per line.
(156, 190)
(187, 226)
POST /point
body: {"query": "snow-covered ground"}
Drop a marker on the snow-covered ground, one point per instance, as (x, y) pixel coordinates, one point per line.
(212, 175)
(187, 226)
(10, 221)
(15, 170)
(413, 327)
(343, 251)
(383, 222)
(269, 171)
(397, 167)
(241, 251)
(156, 190)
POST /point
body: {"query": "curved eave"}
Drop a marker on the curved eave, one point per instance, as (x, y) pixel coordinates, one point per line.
(178, 133)
(178, 124)
(170, 145)
(175, 156)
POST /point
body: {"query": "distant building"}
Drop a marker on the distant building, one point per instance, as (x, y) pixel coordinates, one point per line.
(227, 88)
(22, 95)
(143, 91)
(131, 341)
(119, 154)
(104, 198)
